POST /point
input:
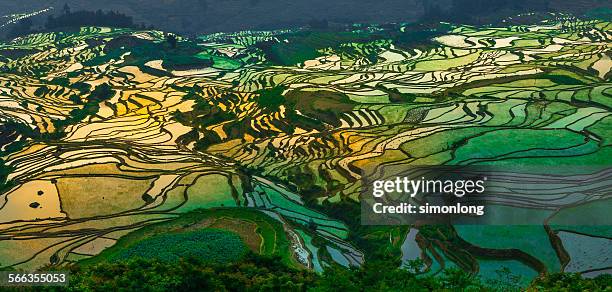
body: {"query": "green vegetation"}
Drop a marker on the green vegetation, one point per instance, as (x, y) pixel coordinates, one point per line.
(206, 244)
(252, 273)
(258, 273)
(274, 131)
(220, 62)
(172, 40)
(571, 282)
(194, 234)
(204, 114)
(100, 94)
(69, 19)
(303, 46)
(5, 170)
(271, 99)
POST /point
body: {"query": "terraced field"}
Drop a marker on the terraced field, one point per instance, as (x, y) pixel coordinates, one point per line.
(109, 131)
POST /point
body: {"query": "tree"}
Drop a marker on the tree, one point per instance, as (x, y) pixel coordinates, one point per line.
(267, 273)
(88, 18)
(172, 40)
(272, 98)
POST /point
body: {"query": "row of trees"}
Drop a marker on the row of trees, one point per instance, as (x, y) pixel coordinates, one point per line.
(258, 273)
(89, 18)
(69, 19)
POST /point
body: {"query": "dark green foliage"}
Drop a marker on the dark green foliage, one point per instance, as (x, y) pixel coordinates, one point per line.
(203, 115)
(363, 236)
(506, 280)
(9, 136)
(303, 45)
(252, 273)
(101, 93)
(41, 91)
(382, 274)
(185, 62)
(5, 170)
(260, 273)
(271, 99)
(103, 58)
(61, 81)
(75, 99)
(294, 119)
(210, 138)
(81, 86)
(175, 58)
(564, 80)
(324, 105)
(572, 282)
(209, 245)
(396, 96)
(172, 40)
(304, 181)
(89, 18)
(124, 42)
(418, 36)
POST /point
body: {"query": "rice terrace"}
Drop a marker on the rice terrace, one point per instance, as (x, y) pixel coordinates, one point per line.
(119, 142)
